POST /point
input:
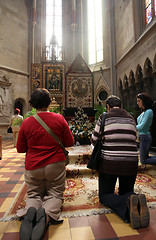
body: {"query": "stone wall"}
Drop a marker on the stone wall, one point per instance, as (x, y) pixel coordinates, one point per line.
(14, 57)
(133, 49)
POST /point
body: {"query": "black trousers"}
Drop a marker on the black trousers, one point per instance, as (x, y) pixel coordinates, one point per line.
(117, 202)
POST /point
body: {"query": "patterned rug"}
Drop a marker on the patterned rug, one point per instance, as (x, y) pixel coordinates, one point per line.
(81, 194)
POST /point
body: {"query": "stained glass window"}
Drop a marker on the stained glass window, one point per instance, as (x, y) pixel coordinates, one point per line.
(54, 29)
(148, 9)
(95, 33)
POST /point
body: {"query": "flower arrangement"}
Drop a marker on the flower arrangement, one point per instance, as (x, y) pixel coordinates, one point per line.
(81, 128)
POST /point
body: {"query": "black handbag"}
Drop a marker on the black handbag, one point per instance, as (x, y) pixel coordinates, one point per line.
(94, 161)
(9, 130)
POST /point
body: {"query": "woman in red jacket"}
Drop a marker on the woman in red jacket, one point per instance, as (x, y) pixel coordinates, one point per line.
(44, 167)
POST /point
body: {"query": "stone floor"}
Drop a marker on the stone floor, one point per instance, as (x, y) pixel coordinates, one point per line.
(102, 227)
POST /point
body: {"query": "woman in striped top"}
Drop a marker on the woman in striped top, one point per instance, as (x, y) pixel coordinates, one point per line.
(119, 160)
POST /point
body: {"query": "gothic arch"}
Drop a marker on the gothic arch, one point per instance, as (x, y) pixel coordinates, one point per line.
(131, 78)
(120, 85)
(132, 90)
(120, 89)
(148, 76)
(154, 64)
(125, 91)
(20, 103)
(138, 74)
(125, 82)
(148, 69)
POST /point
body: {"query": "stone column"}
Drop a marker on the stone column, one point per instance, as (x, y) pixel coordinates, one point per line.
(74, 27)
(33, 29)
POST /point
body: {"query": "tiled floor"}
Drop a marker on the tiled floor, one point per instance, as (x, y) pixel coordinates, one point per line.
(106, 227)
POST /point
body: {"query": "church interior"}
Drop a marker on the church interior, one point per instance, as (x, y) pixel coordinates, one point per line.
(82, 51)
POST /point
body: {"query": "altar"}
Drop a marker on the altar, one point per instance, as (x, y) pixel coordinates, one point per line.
(70, 88)
(79, 154)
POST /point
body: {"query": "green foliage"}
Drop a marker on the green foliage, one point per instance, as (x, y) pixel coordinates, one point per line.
(57, 110)
(133, 111)
(17, 122)
(30, 113)
(81, 127)
(100, 109)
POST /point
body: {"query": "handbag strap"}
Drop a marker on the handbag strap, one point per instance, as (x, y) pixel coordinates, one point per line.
(44, 125)
(102, 123)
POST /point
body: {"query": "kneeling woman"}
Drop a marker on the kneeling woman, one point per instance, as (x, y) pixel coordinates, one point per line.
(44, 167)
(144, 122)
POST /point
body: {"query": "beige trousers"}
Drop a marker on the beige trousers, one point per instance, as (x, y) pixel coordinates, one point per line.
(15, 136)
(45, 188)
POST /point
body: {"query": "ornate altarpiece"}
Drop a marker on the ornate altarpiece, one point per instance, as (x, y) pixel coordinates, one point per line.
(79, 85)
(76, 90)
(79, 88)
(52, 77)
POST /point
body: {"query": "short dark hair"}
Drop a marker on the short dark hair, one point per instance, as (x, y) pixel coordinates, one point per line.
(40, 98)
(113, 101)
(146, 100)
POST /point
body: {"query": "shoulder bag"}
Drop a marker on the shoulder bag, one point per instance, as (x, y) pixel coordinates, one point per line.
(94, 161)
(9, 130)
(44, 125)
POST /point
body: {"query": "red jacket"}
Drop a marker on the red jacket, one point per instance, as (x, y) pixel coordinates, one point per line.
(41, 149)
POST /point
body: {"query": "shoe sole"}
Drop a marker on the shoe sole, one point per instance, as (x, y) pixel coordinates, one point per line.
(40, 227)
(40, 213)
(31, 213)
(26, 227)
(55, 222)
(144, 212)
(134, 214)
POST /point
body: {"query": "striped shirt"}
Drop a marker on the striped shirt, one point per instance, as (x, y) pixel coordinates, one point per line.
(119, 154)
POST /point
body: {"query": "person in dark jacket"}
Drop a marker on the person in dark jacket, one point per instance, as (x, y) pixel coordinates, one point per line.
(119, 160)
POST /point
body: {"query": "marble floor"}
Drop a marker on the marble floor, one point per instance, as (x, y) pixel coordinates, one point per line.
(101, 227)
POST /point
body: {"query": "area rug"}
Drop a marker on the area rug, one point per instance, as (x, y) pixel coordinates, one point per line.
(81, 194)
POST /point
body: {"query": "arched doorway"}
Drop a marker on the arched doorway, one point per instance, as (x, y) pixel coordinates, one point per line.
(19, 103)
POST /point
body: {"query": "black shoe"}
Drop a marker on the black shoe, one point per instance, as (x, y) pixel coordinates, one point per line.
(40, 227)
(55, 222)
(27, 225)
(134, 214)
(144, 212)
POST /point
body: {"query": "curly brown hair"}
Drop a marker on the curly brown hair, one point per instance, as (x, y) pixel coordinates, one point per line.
(40, 98)
(146, 100)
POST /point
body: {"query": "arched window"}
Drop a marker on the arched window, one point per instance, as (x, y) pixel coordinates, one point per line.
(95, 32)
(54, 29)
(150, 10)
